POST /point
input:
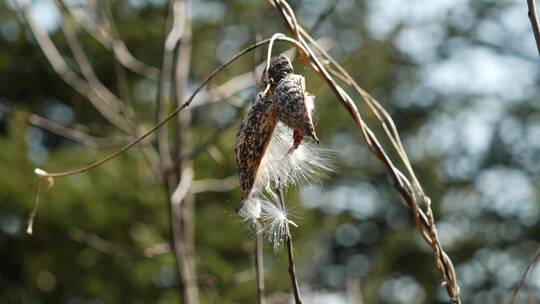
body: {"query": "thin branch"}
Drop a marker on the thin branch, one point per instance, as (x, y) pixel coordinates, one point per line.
(68, 75)
(409, 191)
(169, 117)
(101, 90)
(323, 16)
(534, 22)
(354, 290)
(105, 246)
(37, 190)
(111, 41)
(173, 30)
(259, 262)
(58, 129)
(184, 186)
(215, 185)
(524, 275)
(216, 155)
(86, 68)
(290, 257)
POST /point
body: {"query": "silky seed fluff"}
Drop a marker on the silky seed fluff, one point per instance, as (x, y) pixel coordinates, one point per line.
(288, 102)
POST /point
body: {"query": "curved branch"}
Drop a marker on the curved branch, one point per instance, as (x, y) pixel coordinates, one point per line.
(42, 173)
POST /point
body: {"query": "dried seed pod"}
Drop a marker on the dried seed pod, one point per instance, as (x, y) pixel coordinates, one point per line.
(294, 107)
(252, 140)
(280, 66)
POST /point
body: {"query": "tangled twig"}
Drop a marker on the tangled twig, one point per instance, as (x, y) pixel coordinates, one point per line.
(407, 185)
(410, 191)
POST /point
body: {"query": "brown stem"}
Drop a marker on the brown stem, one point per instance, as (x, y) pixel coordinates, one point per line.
(524, 275)
(109, 38)
(169, 117)
(68, 75)
(534, 22)
(409, 191)
(292, 270)
(290, 256)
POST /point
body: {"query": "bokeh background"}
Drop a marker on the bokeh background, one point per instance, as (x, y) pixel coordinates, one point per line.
(460, 78)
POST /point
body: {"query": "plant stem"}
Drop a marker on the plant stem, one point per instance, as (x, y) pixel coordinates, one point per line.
(259, 263)
(524, 275)
(180, 151)
(290, 257)
(534, 22)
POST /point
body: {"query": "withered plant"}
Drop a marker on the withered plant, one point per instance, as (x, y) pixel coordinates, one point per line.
(283, 102)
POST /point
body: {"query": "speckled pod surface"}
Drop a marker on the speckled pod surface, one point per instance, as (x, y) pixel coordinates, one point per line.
(280, 66)
(252, 140)
(287, 101)
(294, 105)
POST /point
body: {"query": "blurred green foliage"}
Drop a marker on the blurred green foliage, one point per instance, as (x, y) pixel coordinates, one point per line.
(461, 81)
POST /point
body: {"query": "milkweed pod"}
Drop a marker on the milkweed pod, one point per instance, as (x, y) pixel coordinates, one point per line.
(280, 66)
(295, 106)
(252, 140)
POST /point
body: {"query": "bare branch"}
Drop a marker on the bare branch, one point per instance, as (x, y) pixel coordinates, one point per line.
(69, 133)
(424, 221)
(182, 210)
(105, 246)
(101, 90)
(290, 256)
(215, 185)
(169, 117)
(88, 72)
(174, 29)
(112, 42)
(524, 275)
(70, 77)
(534, 22)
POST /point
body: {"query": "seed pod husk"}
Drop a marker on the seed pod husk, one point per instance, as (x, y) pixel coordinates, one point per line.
(294, 105)
(252, 140)
(280, 66)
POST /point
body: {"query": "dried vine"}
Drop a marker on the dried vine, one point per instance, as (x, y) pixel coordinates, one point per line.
(407, 185)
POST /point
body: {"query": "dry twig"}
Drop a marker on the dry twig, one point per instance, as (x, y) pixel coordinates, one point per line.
(534, 22)
(290, 255)
(524, 275)
(105, 246)
(107, 35)
(410, 191)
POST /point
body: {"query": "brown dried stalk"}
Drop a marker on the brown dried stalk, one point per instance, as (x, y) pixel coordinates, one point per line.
(42, 174)
(290, 256)
(68, 75)
(534, 22)
(524, 275)
(106, 34)
(184, 105)
(410, 191)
